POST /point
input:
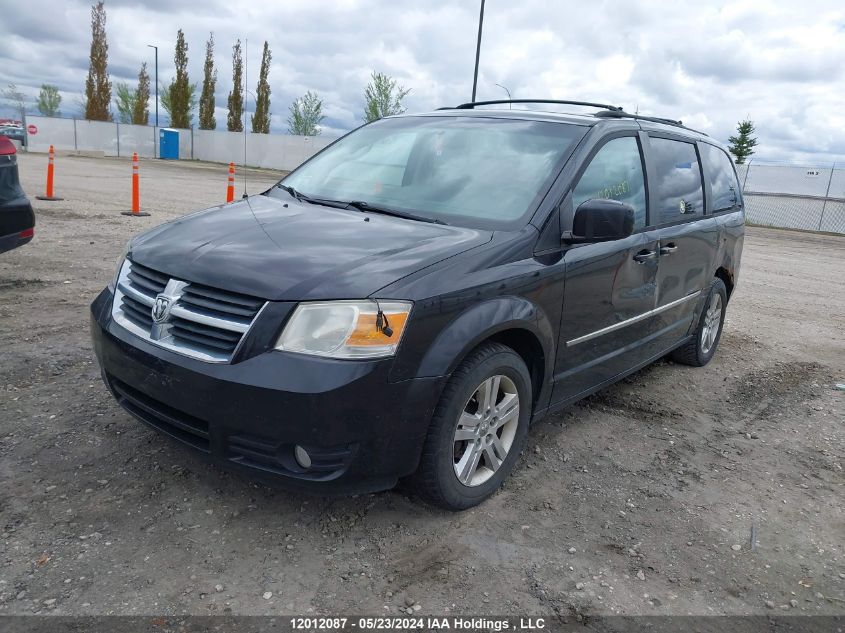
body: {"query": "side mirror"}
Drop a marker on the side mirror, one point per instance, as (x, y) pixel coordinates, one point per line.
(600, 220)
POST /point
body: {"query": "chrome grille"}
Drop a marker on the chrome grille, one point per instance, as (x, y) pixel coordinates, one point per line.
(195, 320)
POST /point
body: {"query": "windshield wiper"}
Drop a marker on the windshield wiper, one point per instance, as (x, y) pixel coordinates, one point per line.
(356, 204)
(366, 206)
(301, 197)
(293, 192)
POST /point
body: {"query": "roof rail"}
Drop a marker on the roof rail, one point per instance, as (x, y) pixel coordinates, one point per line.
(472, 104)
(621, 114)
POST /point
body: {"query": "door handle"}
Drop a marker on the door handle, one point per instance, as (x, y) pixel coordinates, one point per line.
(668, 249)
(645, 255)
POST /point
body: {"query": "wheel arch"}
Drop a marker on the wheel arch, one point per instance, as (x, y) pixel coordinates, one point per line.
(511, 321)
(727, 278)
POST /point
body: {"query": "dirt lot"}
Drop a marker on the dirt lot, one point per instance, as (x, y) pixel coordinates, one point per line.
(641, 500)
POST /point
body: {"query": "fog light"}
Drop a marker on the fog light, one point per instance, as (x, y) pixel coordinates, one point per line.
(302, 456)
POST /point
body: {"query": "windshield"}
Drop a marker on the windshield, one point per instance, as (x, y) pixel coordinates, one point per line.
(470, 171)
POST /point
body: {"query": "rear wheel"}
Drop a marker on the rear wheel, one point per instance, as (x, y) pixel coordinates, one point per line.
(478, 429)
(700, 349)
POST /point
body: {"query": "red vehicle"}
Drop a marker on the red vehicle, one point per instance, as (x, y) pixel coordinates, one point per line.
(17, 220)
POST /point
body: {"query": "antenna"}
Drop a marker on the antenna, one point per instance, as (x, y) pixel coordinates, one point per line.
(246, 100)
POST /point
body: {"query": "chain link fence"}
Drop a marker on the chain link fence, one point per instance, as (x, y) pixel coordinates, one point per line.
(794, 196)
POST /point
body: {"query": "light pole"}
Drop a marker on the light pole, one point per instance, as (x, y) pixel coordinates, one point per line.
(477, 49)
(156, 48)
(509, 94)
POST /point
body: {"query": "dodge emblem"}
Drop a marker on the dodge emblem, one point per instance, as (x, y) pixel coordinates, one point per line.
(161, 308)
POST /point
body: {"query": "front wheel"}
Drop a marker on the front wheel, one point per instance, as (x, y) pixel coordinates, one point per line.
(478, 429)
(700, 349)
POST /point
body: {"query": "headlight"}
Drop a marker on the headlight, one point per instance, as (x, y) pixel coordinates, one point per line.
(346, 329)
(120, 261)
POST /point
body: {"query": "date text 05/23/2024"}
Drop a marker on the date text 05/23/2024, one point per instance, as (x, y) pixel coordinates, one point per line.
(452, 623)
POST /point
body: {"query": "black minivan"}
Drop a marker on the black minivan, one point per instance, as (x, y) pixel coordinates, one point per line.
(408, 301)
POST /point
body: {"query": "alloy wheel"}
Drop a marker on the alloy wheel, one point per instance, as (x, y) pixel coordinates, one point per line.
(485, 430)
(712, 322)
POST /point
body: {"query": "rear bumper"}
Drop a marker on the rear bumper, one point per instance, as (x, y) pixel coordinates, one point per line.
(361, 431)
(17, 220)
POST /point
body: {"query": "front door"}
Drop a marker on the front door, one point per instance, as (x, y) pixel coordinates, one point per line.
(611, 287)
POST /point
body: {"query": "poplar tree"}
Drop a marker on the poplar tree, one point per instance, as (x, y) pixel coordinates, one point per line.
(97, 85)
(234, 122)
(209, 81)
(261, 118)
(181, 93)
(141, 111)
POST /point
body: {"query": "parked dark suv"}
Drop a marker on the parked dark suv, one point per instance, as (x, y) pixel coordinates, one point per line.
(409, 300)
(17, 220)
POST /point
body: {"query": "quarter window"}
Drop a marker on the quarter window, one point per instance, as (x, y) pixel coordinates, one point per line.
(722, 177)
(616, 172)
(679, 190)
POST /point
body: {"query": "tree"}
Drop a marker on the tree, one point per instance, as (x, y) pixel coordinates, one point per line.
(209, 81)
(182, 91)
(141, 111)
(306, 113)
(383, 97)
(166, 98)
(49, 100)
(16, 98)
(261, 118)
(98, 86)
(234, 121)
(742, 146)
(125, 101)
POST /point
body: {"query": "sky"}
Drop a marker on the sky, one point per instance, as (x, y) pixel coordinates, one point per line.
(709, 64)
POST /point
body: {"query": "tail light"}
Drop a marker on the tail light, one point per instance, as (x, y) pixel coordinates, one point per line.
(6, 146)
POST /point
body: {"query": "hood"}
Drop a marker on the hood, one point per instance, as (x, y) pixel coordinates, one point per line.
(281, 249)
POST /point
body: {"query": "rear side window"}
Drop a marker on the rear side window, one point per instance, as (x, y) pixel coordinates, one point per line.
(678, 180)
(616, 172)
(722, 177)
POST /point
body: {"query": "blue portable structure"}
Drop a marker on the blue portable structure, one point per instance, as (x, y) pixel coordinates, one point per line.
(168, 144)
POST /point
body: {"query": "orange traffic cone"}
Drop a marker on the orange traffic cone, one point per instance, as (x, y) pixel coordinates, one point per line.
(136, 193)
(230, 188)
(48, 195)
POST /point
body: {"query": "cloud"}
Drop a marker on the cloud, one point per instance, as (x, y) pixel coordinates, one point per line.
(707, 63)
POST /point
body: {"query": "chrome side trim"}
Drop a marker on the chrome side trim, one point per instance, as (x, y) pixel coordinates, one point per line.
(632, 320)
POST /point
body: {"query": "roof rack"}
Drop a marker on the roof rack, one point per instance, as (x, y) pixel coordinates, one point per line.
(621, 114)
(606, 111)
(473, 104)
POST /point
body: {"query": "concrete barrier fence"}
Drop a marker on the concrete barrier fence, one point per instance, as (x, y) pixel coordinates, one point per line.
(270, 151)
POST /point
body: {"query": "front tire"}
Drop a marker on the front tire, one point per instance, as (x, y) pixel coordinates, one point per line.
(698, 351)
(478, 429)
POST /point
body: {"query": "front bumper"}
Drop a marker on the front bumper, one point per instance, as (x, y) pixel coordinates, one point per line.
(361, 431)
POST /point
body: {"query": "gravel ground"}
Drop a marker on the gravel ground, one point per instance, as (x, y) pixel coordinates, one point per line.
(678, 491)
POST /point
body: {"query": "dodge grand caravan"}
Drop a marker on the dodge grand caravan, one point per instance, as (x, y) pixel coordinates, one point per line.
(408, 301)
